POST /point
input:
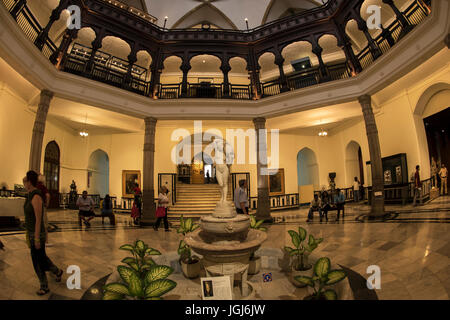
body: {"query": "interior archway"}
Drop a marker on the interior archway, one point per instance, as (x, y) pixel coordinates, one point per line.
(52, 172)
(98, 173)
(353, 163)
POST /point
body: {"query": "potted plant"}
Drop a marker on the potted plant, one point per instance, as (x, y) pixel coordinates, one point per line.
(190, 265)
(323, 277)
(142, 278)
(300, 254)
(255, 261)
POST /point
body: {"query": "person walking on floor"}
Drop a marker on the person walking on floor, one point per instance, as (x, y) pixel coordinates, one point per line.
(356, 185)
(45, 194)
(136, 210)
(339, 200)
(163, 203)
(417, 187)
(241, 198)
(35, 233)
(107, 210)
(443, 174)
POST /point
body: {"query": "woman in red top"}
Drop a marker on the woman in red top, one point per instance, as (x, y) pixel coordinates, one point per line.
(137, 204)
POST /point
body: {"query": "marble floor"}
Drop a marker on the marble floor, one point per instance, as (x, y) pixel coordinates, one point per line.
(412, 249)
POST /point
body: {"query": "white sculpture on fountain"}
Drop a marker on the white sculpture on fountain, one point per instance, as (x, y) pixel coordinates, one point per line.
(224, 157)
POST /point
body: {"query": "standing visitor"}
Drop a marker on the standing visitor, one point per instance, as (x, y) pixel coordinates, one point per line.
(356, 185)
(163, 203)
(137, 204)
(86, 206)
(45, 194)
(35, 233)
(417, 186)
(241, 197)
(339, 200)
(443, 174)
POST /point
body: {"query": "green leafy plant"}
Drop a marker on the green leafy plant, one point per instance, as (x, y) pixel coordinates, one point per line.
(301, 249)
(322, 277)
(256, 224)
(185, 252)
(142, 278)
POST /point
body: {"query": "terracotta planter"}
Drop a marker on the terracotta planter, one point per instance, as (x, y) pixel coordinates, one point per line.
(254, 265)
(191, 270)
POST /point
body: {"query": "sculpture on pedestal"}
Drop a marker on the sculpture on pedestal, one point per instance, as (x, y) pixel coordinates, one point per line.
(434, 171)
(73, 195)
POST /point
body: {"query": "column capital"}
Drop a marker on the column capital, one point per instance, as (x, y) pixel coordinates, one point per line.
(150, 121)
(260, 123)
(47, 93)
(365, 99)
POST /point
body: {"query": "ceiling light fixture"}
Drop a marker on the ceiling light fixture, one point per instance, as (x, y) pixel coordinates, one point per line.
(83, 132)
(323, 133)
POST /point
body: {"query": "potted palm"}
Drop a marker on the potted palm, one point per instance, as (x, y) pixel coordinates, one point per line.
(190, 265)
(300, 254)
(141, 278)
(255, 261)
(324, 278)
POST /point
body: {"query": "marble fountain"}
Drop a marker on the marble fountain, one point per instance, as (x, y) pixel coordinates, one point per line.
(225, 240)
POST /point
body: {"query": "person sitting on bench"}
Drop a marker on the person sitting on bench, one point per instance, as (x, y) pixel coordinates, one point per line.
(339, 201)
(325, 199)
(315, 206)
(107, 210)
(86, 206)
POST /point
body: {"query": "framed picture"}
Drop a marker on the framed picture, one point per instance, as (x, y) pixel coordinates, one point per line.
(129, 180)
(276, 182)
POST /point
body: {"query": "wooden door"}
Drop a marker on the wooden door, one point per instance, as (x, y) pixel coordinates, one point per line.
(51, 172)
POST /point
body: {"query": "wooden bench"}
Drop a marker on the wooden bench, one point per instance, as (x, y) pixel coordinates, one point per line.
(112, 218)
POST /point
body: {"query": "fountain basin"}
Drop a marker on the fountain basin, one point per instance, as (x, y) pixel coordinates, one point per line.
(227, 251)
(221, 229)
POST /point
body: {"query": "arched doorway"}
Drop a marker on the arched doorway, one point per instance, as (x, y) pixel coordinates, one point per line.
(353, 164)
(201, 165)
(51, 172)
(98, 173)
(307, 174)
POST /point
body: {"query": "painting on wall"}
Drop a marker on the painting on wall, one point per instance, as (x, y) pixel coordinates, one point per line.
(276, 182)
(129, 180)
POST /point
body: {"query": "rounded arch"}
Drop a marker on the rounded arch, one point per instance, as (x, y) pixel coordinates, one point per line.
(307, 168)
(116, 46)
(353, 163)
(269, 70)
(205, 67)
(331, 51)
(52, 158)
(427, 94)
(144, 60)
(98, 173)
(171, 72)
(238, 73)
(297, 50)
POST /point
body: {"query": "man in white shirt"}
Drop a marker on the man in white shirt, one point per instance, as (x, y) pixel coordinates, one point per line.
(443, 174)
(86, 206)
(241, 198)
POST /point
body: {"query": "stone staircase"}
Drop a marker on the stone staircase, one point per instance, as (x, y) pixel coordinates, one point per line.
(196, 200)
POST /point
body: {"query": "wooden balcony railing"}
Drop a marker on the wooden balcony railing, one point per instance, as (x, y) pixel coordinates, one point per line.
(118, 72)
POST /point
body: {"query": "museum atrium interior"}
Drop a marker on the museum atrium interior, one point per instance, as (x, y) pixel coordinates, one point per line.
(302, 97)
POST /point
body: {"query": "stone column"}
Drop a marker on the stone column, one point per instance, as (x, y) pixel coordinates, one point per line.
(185, 67)
(323, 73)
(38, 130)
(226, 68)
(148, 189)
(56, 13)
(263, 210)
(375, 157)
(57, 57)
(279, 61)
